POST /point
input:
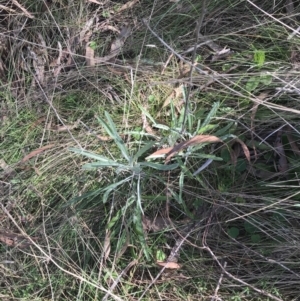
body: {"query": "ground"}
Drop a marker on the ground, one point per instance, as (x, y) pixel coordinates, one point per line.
(149, 150)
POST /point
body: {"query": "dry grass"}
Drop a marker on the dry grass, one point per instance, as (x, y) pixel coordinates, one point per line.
(243, 243)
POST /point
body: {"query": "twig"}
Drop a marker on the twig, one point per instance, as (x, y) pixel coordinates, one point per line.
(215, 296)
(187, 98)
(24, 10)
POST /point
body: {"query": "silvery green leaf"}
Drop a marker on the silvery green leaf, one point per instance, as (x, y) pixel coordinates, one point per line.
(160, 166)
(89, 154)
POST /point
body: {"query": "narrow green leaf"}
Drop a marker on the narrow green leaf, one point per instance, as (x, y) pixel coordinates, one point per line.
(211, 114)
(161, 127)
(95, 165)
(112, 125)
(89, 154)
(141, 151)
(147, 114)
(207, 128)
(120, 143)
(181, 186)
(207, 156)
(224, 130)
(160, 166)
(106, 127)
(138, 193)
(112, 187)
(114, 219)
(112, 132)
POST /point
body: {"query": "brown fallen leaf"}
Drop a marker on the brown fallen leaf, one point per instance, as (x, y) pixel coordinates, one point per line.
(36, 152)
(244, 148)
(169, 265)
(116, 45)
(160, 153)
(195, 140)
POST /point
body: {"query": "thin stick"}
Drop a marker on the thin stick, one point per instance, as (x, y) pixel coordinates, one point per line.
(198, 28)
(24, 10)
(215, 296)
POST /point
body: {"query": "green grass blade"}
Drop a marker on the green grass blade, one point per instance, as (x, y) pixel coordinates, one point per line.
(120, 143)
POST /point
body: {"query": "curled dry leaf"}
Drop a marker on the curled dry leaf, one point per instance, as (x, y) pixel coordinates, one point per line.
(195, 140)
(116, 45)
(169, 265)
(171, 151)
(36, 152)
(160, 153)
(174, 97)
(244, 148)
